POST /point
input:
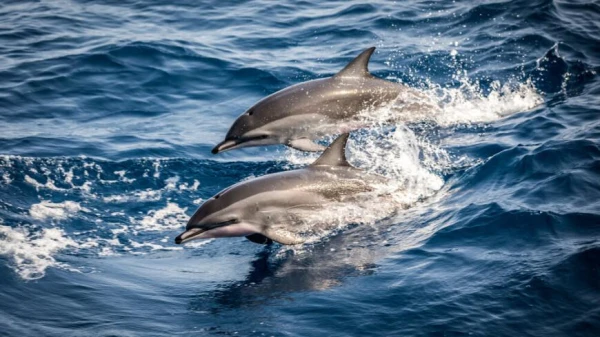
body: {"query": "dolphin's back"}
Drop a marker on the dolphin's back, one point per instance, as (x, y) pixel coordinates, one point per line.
(335, 98)
(328, 182)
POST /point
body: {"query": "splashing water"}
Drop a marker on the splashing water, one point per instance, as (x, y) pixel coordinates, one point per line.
(57, 211)
(32, 250)
(469, 104)
(413, 164)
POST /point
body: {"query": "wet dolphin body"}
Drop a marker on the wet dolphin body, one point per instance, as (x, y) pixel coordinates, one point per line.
(302, 113)
(271, 207)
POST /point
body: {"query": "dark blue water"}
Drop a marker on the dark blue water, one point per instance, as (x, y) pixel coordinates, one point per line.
(108, 112)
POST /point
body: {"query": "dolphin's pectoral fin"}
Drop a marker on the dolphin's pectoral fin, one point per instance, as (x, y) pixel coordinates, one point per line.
(284, 237)
(260, 239)
(305, 144)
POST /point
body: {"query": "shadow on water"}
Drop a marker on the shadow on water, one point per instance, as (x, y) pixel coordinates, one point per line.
(278, 272)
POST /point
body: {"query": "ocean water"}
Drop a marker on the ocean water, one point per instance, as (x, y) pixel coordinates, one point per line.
(108, 112)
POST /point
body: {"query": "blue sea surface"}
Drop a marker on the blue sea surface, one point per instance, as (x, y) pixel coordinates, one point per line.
(109, 110)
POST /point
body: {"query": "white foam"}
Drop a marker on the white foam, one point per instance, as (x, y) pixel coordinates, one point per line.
(469, 104)
(197, 243)
(466, 104)
(115, 198)
(147, 195)
(152, 246)
(106, 251)
(121, 230)
(31, 251)
(89, 243)
(156, 166)
(172, 184)
(186, 187)
(48, 185)
(57, 211)
(69, 175)
(408, 162)
(123, 178)
(170, 217)
(6, 178)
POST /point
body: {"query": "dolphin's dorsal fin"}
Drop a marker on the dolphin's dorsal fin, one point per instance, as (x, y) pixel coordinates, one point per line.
(359, 67)
(335, 154)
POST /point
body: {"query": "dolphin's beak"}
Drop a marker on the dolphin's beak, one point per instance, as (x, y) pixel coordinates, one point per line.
(224, 145)
(188, 235)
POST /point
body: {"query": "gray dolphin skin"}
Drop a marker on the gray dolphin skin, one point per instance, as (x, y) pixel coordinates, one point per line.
(302, 113)
(271, 207)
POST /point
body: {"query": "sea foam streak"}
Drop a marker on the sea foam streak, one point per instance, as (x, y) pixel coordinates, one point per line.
(50, 210)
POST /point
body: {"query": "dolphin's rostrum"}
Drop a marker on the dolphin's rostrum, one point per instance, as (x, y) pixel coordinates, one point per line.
(274, 206)
(302, 113)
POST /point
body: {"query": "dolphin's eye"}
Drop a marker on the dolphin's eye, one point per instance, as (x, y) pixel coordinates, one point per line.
(217, 196)
(250, 112)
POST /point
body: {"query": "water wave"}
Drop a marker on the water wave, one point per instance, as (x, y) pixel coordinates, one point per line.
(108, 112)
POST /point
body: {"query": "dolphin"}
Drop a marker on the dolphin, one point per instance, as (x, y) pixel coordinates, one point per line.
(299, 114)
(274, 207)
